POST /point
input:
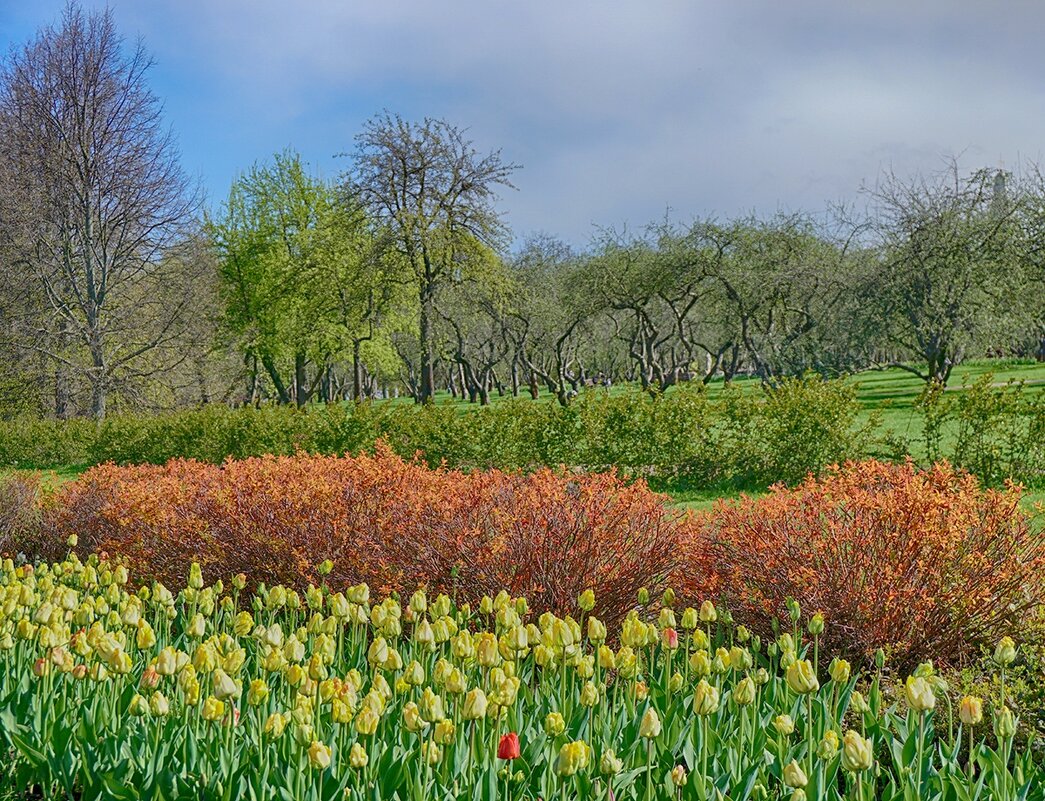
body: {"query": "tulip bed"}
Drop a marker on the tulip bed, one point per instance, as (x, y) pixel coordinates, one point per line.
(107, 691)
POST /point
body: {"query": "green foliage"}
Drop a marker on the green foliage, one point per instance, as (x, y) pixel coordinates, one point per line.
(740, 438)
(998, 432)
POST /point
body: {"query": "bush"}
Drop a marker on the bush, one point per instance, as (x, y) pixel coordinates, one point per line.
(392, 523)
(923, 563)
(20, 513)
(743, 438)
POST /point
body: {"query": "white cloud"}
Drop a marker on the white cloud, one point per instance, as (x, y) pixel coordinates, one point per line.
(616, 109)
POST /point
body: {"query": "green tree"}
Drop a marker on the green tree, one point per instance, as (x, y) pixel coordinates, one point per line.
(433, 192)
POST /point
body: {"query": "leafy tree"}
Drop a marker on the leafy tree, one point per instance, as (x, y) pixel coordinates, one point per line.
(433, 192)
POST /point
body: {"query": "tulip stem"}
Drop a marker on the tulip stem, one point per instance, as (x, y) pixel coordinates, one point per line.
(921, 750)
(649, 770)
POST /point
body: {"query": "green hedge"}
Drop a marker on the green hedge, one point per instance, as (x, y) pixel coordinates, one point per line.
(742, 438)
(994, 431)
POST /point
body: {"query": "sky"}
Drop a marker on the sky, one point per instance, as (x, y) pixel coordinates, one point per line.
(618, 112)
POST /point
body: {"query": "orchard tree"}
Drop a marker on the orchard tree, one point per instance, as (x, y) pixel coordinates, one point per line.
(92, 197)
(433, 191)
(950, 247)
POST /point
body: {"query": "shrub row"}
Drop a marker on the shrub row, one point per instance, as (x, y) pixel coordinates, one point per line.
(996, 432)
(391, 523)
(737, 438)
(923, 563)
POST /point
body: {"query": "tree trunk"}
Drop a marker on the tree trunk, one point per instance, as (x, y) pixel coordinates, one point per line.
(277, 382)
(427, 387)
(357, 371)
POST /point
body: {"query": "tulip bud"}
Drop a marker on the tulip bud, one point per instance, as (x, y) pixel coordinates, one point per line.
(678, 776)
(609, 764)
(828, 746)
(412, 717)
(919, 692)
(589, 695)
(213, 709)
(586, 600)
(1005, 653)
(139, 706)
(816, 625)
(784, 725)
(554, 724)
(707, 613)
(443, 733)
(689, 618)
(705, 699)
(859, 703)
(794, 776)
(839, 670)
(649, 727)
(159, 706)
(1004, 724)
(744, 692)
(971, 710)
(670, 639)
(596, 631)
(857, 752)
(357, 756)
(801, 678)
(573, 758)
(475, 704)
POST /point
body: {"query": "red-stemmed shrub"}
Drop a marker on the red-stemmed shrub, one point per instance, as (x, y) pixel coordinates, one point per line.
(925, 564)
(392, 523)
(20, 514)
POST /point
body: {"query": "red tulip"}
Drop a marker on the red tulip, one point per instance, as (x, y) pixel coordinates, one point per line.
(671, 638)
(508, 748)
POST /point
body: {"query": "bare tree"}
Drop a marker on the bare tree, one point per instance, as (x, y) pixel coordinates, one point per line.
(433, 190)
(948, 245)
(92, 198)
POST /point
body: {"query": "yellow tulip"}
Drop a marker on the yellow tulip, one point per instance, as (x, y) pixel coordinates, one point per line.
(857, 752)
(801, 678)
(554, 724)
(319, 755)
(366, 721)
(794, 776)
(705, 699)
(649, 727)
(839, 671)
(573, 758)
(357, 756)
(744, 692)
(444, 731)
(919, 692)
(274, 725)
(1005, 653)
(213, 709)
(589, 695)
(971, 710)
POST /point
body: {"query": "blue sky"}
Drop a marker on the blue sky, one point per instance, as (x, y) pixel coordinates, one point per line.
(617, 111)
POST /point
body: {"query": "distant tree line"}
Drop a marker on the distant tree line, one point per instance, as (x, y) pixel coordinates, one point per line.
(119, 289)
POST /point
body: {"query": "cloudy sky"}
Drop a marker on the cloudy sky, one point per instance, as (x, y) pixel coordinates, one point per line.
(617, 111)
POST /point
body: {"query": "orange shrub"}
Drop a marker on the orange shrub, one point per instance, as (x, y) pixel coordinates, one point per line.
(391, 523)
(20, 509)
(923, 563)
